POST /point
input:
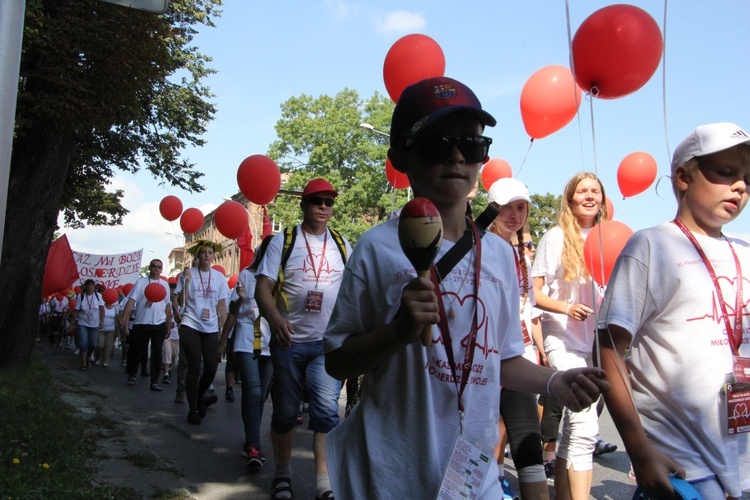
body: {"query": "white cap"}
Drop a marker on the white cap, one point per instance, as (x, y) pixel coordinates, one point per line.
(507, 189)
(709, 139)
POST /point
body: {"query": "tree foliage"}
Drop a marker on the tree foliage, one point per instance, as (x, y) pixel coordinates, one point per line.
(321, 137)
(542, 214)
(102, 88)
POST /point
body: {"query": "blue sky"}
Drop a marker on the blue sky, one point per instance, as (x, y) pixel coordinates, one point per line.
(266, 52)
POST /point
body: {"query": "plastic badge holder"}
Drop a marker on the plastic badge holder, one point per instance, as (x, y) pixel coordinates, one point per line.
(684, 489)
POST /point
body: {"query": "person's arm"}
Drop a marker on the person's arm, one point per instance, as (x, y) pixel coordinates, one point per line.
(546, 303)
(168, 311)
(101, 317)
(126, 316)
(228, 325)
(363, 352)
(577, 388)
(221, 312)
(281, 329)
(651, 467)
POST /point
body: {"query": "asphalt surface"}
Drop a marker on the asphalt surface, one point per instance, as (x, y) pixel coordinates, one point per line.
(154, 449)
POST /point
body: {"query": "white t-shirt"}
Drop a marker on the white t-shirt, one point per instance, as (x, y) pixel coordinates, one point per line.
(59, 306)
(205, 291)
(109, 317)
(300, 279)
(398, 439)
(147, 313)
(527, 309)
(244, 332)
(560, 331)
(661, 292)
(88, 309)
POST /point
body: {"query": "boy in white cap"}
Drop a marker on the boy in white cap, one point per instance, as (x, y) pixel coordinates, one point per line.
(675, 303)
(430, 414)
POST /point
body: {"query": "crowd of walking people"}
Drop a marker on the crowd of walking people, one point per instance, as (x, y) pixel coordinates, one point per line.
(512, 353)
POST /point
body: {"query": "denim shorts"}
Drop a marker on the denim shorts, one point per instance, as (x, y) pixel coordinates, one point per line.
(86, 337)
(303, 365)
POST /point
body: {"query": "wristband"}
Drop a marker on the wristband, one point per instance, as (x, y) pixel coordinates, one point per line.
(549, 381)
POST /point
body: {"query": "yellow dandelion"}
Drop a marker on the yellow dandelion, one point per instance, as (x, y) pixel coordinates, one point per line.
(16, 461)
(45, 466)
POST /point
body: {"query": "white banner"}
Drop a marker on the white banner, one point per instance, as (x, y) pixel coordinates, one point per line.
(109, 270)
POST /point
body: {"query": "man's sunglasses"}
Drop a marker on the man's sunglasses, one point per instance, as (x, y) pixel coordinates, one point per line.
(317, 201)
(473, 148)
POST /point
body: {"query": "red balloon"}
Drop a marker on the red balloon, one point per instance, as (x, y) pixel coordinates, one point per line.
(398, 180)
(72, 303)
(636, 173)
(191, 220)
(162, 277)
(155, 292)
(59, 297)
(602, 247)
(493, 170)
(126, 288)
(170, 207)
(231, 219)
(616, 50)
(219, 268)
(109, 296)
(172, 280)
(411, 59)
(610, 209)
(549, 100)
(99, 273)
(77, 289)
(259, 179)
(233, 280)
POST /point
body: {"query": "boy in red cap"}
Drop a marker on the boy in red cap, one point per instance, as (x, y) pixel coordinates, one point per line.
(430, 414)
(675, 302)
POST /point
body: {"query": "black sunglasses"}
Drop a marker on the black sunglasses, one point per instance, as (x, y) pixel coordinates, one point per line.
(317, 201)
(529, 244)
(436, 148)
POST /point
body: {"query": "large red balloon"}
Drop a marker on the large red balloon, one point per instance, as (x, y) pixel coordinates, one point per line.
(493, 170)
(126, 288)
(602, 247)
(636, 173)
(191, 220)
(398, 180)
(219, 268)
(231, 219)
(170, 207)
(549, 100)
(259, 179)
(615, 51)
(109, 296)
(411, 59)
(155, 292)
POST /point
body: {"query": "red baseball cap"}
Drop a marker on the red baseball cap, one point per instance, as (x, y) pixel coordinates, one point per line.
(423, 103)
(317, 186)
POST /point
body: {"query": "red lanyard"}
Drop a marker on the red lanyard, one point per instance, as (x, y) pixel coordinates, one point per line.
(90, 300)
(203, 286)
(312, 259)
(734, 334)
(443, 324)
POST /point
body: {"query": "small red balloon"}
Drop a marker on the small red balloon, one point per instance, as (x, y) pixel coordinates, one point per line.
(191, 220)
(493, 170)
(410, 59)
(231, 219)
(72, 303)
(233, 280)
(610, 209)
(109, 296)
(172, 280)
(636, 173)
(170, 207)
(155, 292)
(602, 247)
(99, 273)
(77, 289)
(615, 51)
(398, 180)
(220, 269)
(59, 297)
(259, 179)
(549, 100)
(126, 288)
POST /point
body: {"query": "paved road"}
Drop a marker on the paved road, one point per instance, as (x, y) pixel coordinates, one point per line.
(205, 459)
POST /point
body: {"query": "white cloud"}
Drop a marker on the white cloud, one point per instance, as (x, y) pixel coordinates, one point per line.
(340, 8)
(402, 22)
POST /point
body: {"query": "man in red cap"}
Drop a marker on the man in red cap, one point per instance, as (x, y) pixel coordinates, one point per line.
(297, 285)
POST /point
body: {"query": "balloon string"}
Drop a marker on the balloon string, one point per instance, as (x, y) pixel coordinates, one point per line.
(664, 83)
(573, 71)
(531, 143)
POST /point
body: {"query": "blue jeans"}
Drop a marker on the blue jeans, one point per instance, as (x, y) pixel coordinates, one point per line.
(303, 365)
(86, 338)
(256, 378)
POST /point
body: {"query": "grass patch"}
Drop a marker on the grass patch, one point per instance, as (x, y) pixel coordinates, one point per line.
(45, 449)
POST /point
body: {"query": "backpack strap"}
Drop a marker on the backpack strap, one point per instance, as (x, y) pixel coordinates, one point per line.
(339, 243)
(290, 235)
(448, 261)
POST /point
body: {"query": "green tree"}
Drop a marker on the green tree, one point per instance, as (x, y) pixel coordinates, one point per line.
(102, 88)
(542, 214)
(321, 137)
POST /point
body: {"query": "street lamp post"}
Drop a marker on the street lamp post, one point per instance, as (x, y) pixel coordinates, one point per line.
(372, 129)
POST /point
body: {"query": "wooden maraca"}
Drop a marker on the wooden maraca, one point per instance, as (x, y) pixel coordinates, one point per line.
(420, 231)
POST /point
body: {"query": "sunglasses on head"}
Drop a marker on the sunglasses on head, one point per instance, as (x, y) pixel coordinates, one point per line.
(529, 245)
(436, 148)
(317, 201)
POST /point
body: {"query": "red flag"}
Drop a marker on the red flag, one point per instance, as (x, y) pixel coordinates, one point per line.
(246, 258)
(60, 271)
(245, 241)
(267, 226)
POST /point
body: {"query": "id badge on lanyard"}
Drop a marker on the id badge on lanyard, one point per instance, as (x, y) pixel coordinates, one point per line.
(466, 472)
(738, 408)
